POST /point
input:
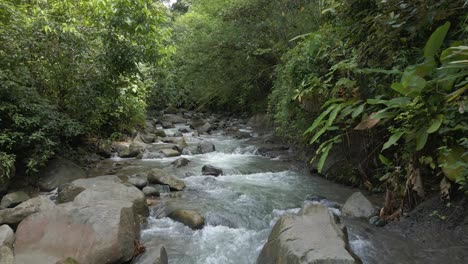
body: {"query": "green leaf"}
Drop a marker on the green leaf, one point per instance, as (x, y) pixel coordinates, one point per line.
(435, 41)
(421, 139)
(383, 114)
(376, 101)
(398, 102)
(435, 124)
(358, 111)
(397, 87)
(333, 115)
(384, 160)
(319, 119)
(319, 133)
(393, 139)
(324, 156)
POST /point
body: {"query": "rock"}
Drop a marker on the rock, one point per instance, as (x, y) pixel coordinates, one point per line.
(153, 255)
(57, 172)
(104, 149)
(313, 236)
(211, 170)
(181, 162)
(197, 122)
(132, 151)
(146, 138)
(160, 133)
(99, 233)
(7, 236)
(242, 135)
(190, 218)
(153, 190)
(178, 134)
(149, 127)
(259, 121)
(184, 130)
(231, 130)
(205, 129)
(68, 192)
(170, 152)
(377, 221)
(167, 125)
(161, 177)
(205, 147)
(187, 152)
(138, 182)
(13, 199)
(7, 256)
(15, 215)
(174, 119)
(358, 206)
(97, 190)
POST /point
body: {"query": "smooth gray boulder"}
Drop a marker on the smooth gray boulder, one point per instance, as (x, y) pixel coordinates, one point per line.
(167, 125)
(205, 146)
(312, 236)
(138, 182)
(358, 206)
(205, 128)
(190, 218)
(110, 188)
(13, 199)
(57, 172)
(7, 236)
(211, 170)
(100, 233)
(15, 215)
(7, 256)
(161, 177)
(153, 190)
(132, 150)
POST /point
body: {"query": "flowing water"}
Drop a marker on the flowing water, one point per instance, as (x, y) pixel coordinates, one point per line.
(241, 207)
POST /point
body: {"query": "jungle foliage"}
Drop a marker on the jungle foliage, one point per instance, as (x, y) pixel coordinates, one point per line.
(394, 71)
(74, 68)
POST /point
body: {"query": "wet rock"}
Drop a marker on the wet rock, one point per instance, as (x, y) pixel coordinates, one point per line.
(170, 152)
(13, 199)
(205, 129)
(171, 110)
(197, 122)
(358, 206)
(67, 261)
(15, 215)
(184, 130)
(153, 255)
(161, 177)
(205, 146)
(211, 170)
(318, 199)
(167, 125)
(7, 236)
(190, 218)
(231, 130)
(178, 134)
(105, 150)
(57, 172)
(94, 234)
(7, 256)
(174, 119)
(312, 236)
(187, 151)
(153, 190)
(242, 135)
(377, 221)
(138, 182)
(146, 138)
(181, 162)
(131, 151)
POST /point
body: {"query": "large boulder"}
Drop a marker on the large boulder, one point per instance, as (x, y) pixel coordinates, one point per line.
(313, 236)
(167, 125)
(359, 206)
(205, 129)
(190, 218)
(139, 182)
(13, 199)
(159, 176)
(153, 190)
(181, 162)
(108, 188)
(57, 172)
(205, 146)
(132, 150)
(144, 138)
(99, 233)
(174, 119)
(197, 122)
(7, 236)
(211, 170)
(7, 256)
(15, 215)
(154, 254)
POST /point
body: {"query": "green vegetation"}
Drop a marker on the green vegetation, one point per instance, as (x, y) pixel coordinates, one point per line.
(74, 68)
(392, 72)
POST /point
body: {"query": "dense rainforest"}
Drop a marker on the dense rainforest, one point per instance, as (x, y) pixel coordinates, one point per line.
(391, 75)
